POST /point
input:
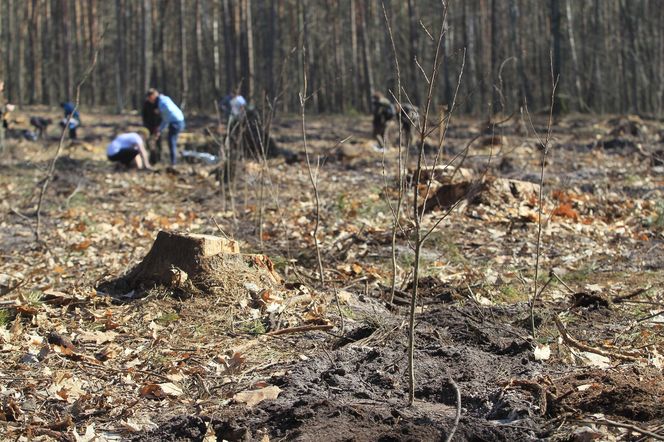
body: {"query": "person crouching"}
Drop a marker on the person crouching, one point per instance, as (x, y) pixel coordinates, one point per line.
(128, 149)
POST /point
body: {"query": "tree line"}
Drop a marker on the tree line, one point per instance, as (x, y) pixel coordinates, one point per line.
(608, 54)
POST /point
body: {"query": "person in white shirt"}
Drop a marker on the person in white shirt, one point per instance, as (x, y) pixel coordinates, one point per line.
(238, 104)
(129, 149)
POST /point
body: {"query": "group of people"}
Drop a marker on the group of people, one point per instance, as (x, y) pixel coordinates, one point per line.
(159, 113)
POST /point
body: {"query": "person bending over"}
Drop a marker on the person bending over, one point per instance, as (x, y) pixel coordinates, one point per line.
(129, 149)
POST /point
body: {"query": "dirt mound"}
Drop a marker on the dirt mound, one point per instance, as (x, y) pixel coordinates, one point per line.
(358, 391)
(635, 393)
(178, 429)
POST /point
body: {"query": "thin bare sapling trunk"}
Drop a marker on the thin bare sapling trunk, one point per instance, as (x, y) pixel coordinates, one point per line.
(419, 237)
(544, 150)
(313, 178)
(396, 210)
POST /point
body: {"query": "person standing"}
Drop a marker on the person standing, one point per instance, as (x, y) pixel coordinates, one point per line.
(152, 122)
(383, 111)
(171, 118)
(70, 111)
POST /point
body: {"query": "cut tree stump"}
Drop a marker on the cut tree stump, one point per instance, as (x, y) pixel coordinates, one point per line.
(488, 190)
(184, 251)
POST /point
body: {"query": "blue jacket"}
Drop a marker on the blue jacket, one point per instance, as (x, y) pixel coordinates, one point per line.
(169, 111)
(69, 107)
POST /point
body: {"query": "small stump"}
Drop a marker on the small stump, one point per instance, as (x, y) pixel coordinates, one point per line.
(184, 251)
(197, 264)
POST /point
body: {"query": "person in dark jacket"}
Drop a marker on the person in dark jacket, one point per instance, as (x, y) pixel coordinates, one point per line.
(152, 122)
(383, 111)
(69, 109)
(41, 126)
(171, 118)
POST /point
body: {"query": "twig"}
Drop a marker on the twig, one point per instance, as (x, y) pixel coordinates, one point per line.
(71, 195)
(569, 340)
(341, 315)
(458, 411)
(300, 329)
(220, 229)
(562, 282)
(611, 423)
(619, 299)
(654, 315)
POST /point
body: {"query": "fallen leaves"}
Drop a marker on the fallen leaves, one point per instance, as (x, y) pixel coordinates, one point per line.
(160, 391)
(66, 387)
(253, 397)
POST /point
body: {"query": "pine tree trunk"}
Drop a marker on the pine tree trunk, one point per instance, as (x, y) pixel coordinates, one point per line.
(250, 51)
(183, 57)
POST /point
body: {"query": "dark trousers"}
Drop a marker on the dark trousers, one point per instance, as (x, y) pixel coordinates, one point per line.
(174, 130)
(154, 144)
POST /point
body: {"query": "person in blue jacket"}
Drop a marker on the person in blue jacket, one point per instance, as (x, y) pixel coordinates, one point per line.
(75, 121)
(171, 118)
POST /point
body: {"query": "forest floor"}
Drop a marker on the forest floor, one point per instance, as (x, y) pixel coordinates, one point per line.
(80, 364)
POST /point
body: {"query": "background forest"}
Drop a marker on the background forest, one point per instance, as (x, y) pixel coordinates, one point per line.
(609, 53)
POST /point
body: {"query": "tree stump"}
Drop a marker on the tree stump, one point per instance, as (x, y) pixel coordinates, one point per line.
(173, 253)
(490, 191)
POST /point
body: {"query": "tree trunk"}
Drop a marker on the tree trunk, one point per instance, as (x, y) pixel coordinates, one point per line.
(556, 34)
(183, 57)
(36, 95)
(355, 54)
(22, 33)
(198, 59)
(147, 43)
(250, 50)
(216, 56)
(229, 46)
(520, 55)
(119, 51)
(575, 60)
(66, 36)
(368, 68)
(413, 89)
(92, 43)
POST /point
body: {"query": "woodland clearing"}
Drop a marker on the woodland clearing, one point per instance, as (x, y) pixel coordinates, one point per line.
(79, 363)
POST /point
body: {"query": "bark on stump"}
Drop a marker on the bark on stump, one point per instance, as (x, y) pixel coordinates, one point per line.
(173, 253)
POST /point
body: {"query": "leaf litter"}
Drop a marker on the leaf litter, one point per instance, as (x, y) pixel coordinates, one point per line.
(201, 364)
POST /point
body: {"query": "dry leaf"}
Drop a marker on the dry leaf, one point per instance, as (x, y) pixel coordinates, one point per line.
(98, 337)
(89, 435)
(160, 391)
(542, 352)
(595, 360)
(66, 388)
(254, 397)
(82, 245)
